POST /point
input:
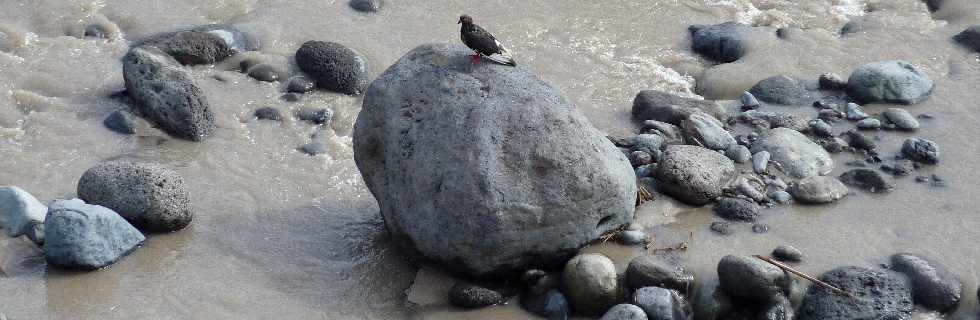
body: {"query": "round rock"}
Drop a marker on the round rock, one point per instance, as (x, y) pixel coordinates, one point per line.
(121, 122)
(300, 85)
(818, 190)
(333, 66)
(264, 72)
(724, 42)
(671, 108)
(591, 284)
(933, 285)
(149, 196)
(902, 119)
(625, 311)
(787, 254)
(648, 271)
(738, 153)
(19, 211)
(165, 93)
(366, 5)
(751, 278)
(969, 38)
(693, 175)
(737, 209)
(550, 304)
(889, 81)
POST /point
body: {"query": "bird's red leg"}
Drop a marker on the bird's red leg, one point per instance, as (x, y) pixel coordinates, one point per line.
(475, 58)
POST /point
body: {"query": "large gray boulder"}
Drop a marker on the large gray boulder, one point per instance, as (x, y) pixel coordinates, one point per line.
(166, 94)
(889, 81)
(451, 150)
(693, 174)
(591, 284)
(798, 156)
(671, 108)
(19, 211)
(203, 44)
(880, 295)
(87, 237)
(149, 196)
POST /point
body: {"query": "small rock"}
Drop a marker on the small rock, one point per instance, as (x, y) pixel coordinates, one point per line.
(781, 89)
(938, 181)
(268, 113)
(760, 228)
(625, 311)
(671, 108)
(889, 81)
(749, 102)
(662, 304)
(736, 209)
(649, 271)
(648, 143)
(87, 237)
(722, 228)
(921, 179)
(751, 278)
(855, 25)
(869, 124)
(866, 179)
(633, 237)
(724, 42)
(832, 81)
(366, 5)
(883, 295)
(738, 153)
(639, 158)
(861, 142)
(291, 97)
(550, 305)
(902, 167)
(829, 115)
(704, 130)
(818, 190)
(933, 286)
(692, 174)
(776, 184)
(333, 66)
(787, 254)
(760, 162)
(470, 296)
(781, 197)
(921, 150)
(591, 283)
(854, 112)
(969, 38)
(821, 128)
(121, 122)
(788, 121)
(147, 195)
(19, 211)
(317, 116)
(902, 119)
(300, 85)
(264, 72)
(95, 31)
(314, 148)
(925, 116)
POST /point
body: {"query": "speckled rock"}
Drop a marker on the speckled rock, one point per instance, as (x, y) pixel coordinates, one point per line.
(662, 304)
(333, 66)
(737, 209)
(889, 81)
(471, 296)
(799, 156)
(693, 174)
(121, 121)
(882, 295)
(165, 93)
(147, 195)
(921, 150)
(933, 285)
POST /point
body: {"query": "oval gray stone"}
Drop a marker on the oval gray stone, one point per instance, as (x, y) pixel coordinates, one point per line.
(147, 195)
(590, 283)
(166, 94)
(87, 237)
(889, 81)
(694, 175)
(798, 156)
(818, 190)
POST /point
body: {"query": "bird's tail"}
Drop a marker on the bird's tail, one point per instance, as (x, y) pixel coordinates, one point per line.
(504, 59)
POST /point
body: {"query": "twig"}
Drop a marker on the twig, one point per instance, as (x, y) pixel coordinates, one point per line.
(678, 247)
(642, 194)
(805, 276)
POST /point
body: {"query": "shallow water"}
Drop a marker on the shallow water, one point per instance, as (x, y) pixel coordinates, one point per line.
(279, 234)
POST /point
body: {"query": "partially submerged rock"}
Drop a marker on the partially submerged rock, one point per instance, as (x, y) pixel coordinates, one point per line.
(673, 109)
(818, 190)
(798, 156)
(737, 209)
(933, 285)
(471, 296)
(725, 42)
(147, 195)
(87, 237)
(889, 81)
(781, 89)
(970, 38)
(693, 175)
(866, 179)
(165, 93)
(202, 45)
(880, 295)
(921, 150)
(333, 66)
(19, 211)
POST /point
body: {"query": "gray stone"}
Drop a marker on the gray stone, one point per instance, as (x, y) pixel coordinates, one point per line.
(121, 121)
(202, 45)
(821, 128)
(760, 162)
(722, 228)
(19, 211)
(934, 5)
(671, 133)
(859, 141)
(165, 93)
(855, 25)
(781, 197)
(738, 153)
(760, 228)
(832, 81)
(300, 85)
(662, 304)
(366, 5)
(970, 38)
(551, 304)
(921, 150)
(737, 209)
(881, 295)
(648, 143)
(704, 130)
(933, 285)
(781, 89)
(333, 66)
(649, 271)
(149, 196)
(889, 81)
(633, 237)
(314, 148)
(670, 108)
(854, 112)
(88, 237)
(726, 42)
(776, 184)
(751, 278)
(747, 188)
(818, 190)
(264, 72)
(787, 254)
(693, 175)
(316, 116)
(469, 296)
(902, 167)
(788, 121)
(625, 311)
(749, 101)
(866, 179)
(291, 97)
(434, 197)
(902, 119)
(268, 113)
(644, 171)
(798, 156)
(590, 283)
(868, 124)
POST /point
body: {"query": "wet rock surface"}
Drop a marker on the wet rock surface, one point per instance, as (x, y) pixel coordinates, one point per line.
(787, 254)
(970, 38)
(866, 179)
(889, 81)
(751, 278)
(693, 174)
(781, 89)
(921, 150)
(202, 45)
(649, 271)
(933, 285)
(671, 108)
(737, 209)
(19, 211)
(591, 284)
(818, 190)
(725, 42)
(704, 130)
(880, 295)
(799, 156)
(149, 196)
(86, 237)
(333, 66)
(166, 94)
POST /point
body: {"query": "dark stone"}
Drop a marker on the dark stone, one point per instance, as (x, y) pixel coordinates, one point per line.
(880, 295)
(921, 150)
(866, 179)
(165, 93)
(752, 279)
(149, 196)
(787, 254)
(662, 304)
(649, 143)
(201, 45)
(121, 122)
(300, 85)
(264, 72)
(673, 109)
(268, 113)
(319, 116)
(95, 31)
(724, 42)
(470, 296)
(832, 81)
(970, 38)
(722, 228)
(649, 271)
(291, 97)
(855, 25)
(314, 148)
(934, 5)
(760, 228)
(860, 142)
(333, 66)
(737, 209)
(933, 286)
(366, 5)
(781, 90)
(551, 305)
(902, 167)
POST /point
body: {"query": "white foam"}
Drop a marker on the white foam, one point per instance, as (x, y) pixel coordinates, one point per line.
(848, 7)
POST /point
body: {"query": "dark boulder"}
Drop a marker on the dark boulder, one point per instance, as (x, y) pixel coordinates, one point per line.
(147, 195)
(333, 66)
(879, 295)
(726, 42)
(933, 286)
(166, 94)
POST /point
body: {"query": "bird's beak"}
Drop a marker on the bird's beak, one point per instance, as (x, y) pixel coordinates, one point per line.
(459, 21)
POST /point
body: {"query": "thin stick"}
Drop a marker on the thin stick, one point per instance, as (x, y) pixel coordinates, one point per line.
(805, 276)
(642, 194)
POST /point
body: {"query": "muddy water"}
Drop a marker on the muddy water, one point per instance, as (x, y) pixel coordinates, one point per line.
(279, 234)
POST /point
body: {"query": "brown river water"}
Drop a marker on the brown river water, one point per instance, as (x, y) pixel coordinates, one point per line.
(282, 235)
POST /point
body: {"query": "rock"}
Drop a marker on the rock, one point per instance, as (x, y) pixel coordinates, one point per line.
(866, 179)
(724, 42)
(738, 153)
(821, 128)
(590, 283)
(860, 142)
(882, 295)
(88, 237)
(889, 81)
(19, 211)
(300, 85)
(921, 150)
(751, 278)
(855, 25)
(868, 124)
(901, 167)
(781, 90)
(648, 143)
(969, 38)
(639, 158)
(671, 134)
(781, 197)
(317, 116)
(165, 93)
(648, 271)
(433, 199)
(760, 162)
(693, 175)
(934, 5)
(903, 120)
(722, 228)
(95, 31)
(470, 296)
(789, 33)
(760, 228)
(798, 156)
(646, 170)
(633, 237)
(745, 188)
(818, 190)
(749, 102)
(625, 311)
(704, 130)
(264, 72)
(314, 148)
(531, 277)
(268, 113)
(333, 66)
(787, 254)
(662, 304)
(201, 45)
(832, 81)
(366, 5)
(736, 209)
(291, 97)
(673, 109)
(551, 305)
(829, 115)
(149, 196)
(121, 122)
(788, 121)
(776, 184)
(933, 286)
(854, 112)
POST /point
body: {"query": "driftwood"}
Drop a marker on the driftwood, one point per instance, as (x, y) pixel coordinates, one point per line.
(642, 194)
(805, 276)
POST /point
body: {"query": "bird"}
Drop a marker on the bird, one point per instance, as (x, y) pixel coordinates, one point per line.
(484, 43)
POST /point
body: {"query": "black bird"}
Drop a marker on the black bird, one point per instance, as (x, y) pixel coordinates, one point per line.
(483, 43)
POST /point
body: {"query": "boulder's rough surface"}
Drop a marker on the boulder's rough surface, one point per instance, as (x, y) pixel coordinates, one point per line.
(783, 90)
(725, 42)
(83, 236)
(625, 311)
(798, 156)
(333, 66)
(662, 304)
(19, 211)
(165, 93)
(470, 296)
(694, 175)
(704, 130)
(866, 179)
(673, 109)
(880, 295)
(818, 190)
(970, 38)
(921, 150)
(591, 284)
(450, 150)
(149, 196)
(737, 209)
(648, 271)
(550, 304)
(889, 81)
(751, 278)
(933, 286)
(202, 45)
